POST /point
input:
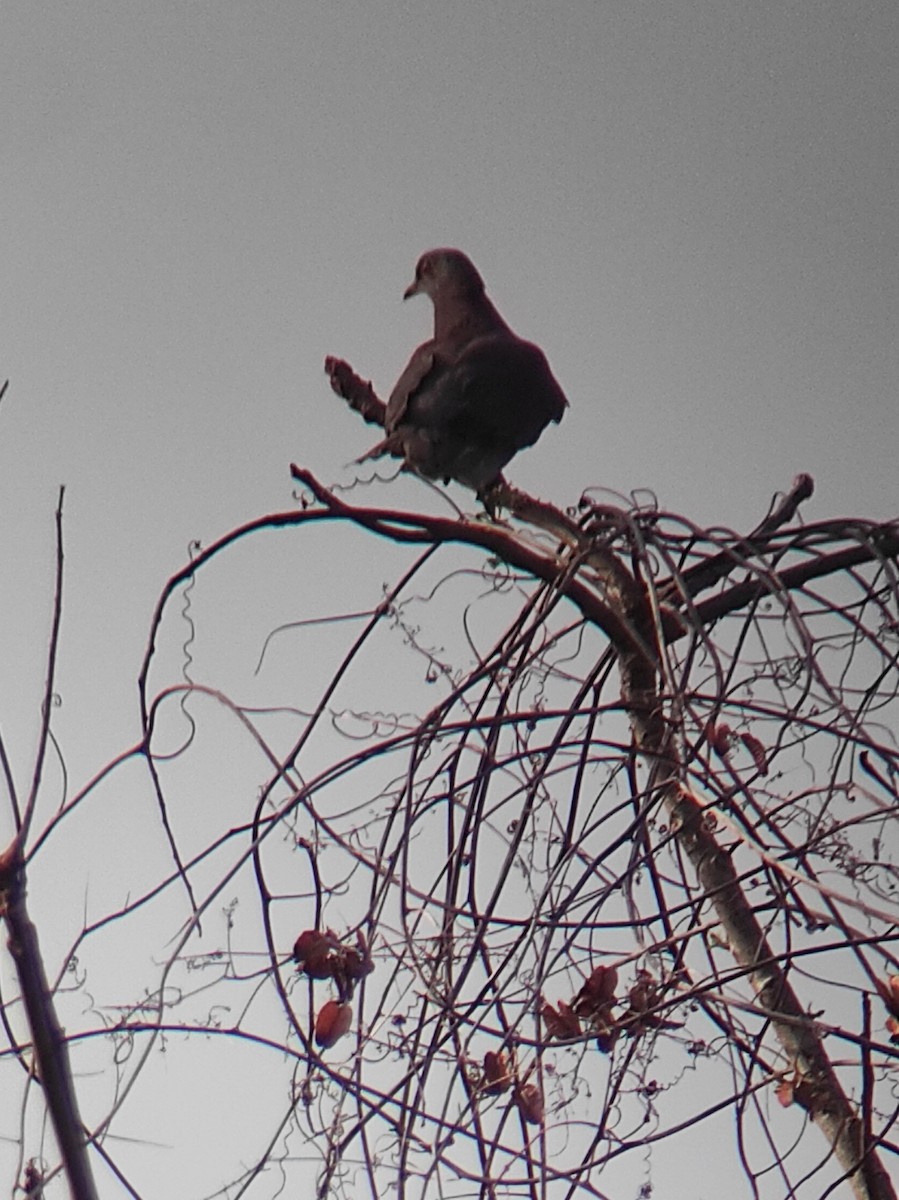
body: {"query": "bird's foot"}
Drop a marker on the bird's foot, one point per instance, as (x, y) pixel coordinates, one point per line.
(494, 496)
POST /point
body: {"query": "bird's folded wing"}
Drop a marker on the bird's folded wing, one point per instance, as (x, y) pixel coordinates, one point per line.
(499, 391)
(417, 370)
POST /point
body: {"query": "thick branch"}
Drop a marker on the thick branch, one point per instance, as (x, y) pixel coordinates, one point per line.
(882, 542)
(505, 544)
(697, 579)
(821, 1095)
(51, 1052)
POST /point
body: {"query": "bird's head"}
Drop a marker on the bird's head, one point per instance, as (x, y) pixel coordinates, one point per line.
(445, 272)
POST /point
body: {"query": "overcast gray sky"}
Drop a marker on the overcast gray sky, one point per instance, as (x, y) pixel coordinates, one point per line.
(691, 206)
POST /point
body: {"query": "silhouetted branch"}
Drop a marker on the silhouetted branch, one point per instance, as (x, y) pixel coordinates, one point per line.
(48, 1042)
(785, 510)
(52, 1066)
(564, 873)
(548, 566)
(617, 611)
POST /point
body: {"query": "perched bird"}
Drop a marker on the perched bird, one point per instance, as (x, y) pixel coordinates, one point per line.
(476, 393)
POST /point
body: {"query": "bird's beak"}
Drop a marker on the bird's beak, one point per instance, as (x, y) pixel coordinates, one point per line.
(411, 290)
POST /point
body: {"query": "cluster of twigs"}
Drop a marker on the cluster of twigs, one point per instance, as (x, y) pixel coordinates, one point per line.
(692, 806)
(606, 880)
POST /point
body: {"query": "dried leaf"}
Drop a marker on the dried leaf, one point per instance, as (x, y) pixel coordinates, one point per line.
(889, 994)
(720, 738)
(357, 961)
(529, 1099)
(757, 750)
(606, 1035)
(644, 998)
(314, 953)
(333, 1021)
(561, 1023)
(497, 1076)
(596, 997)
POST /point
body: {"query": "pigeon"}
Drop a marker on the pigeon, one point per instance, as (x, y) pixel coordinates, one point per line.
(476, 393)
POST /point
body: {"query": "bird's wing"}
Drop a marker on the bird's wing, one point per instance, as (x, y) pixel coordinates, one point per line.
(499, 391)
(462, 412)
(419, 367)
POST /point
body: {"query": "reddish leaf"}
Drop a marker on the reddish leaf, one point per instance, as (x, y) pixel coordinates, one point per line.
(720, 738)
(644, 998)
(561, 1023)
(757, 750)
(357, 963)
(496, 1073)
(596, 997)
(643, 994)
(795, 1090)
(333, 1021)
(530, 1103)
(606, 1034)
(889, 994)
(313, 953)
